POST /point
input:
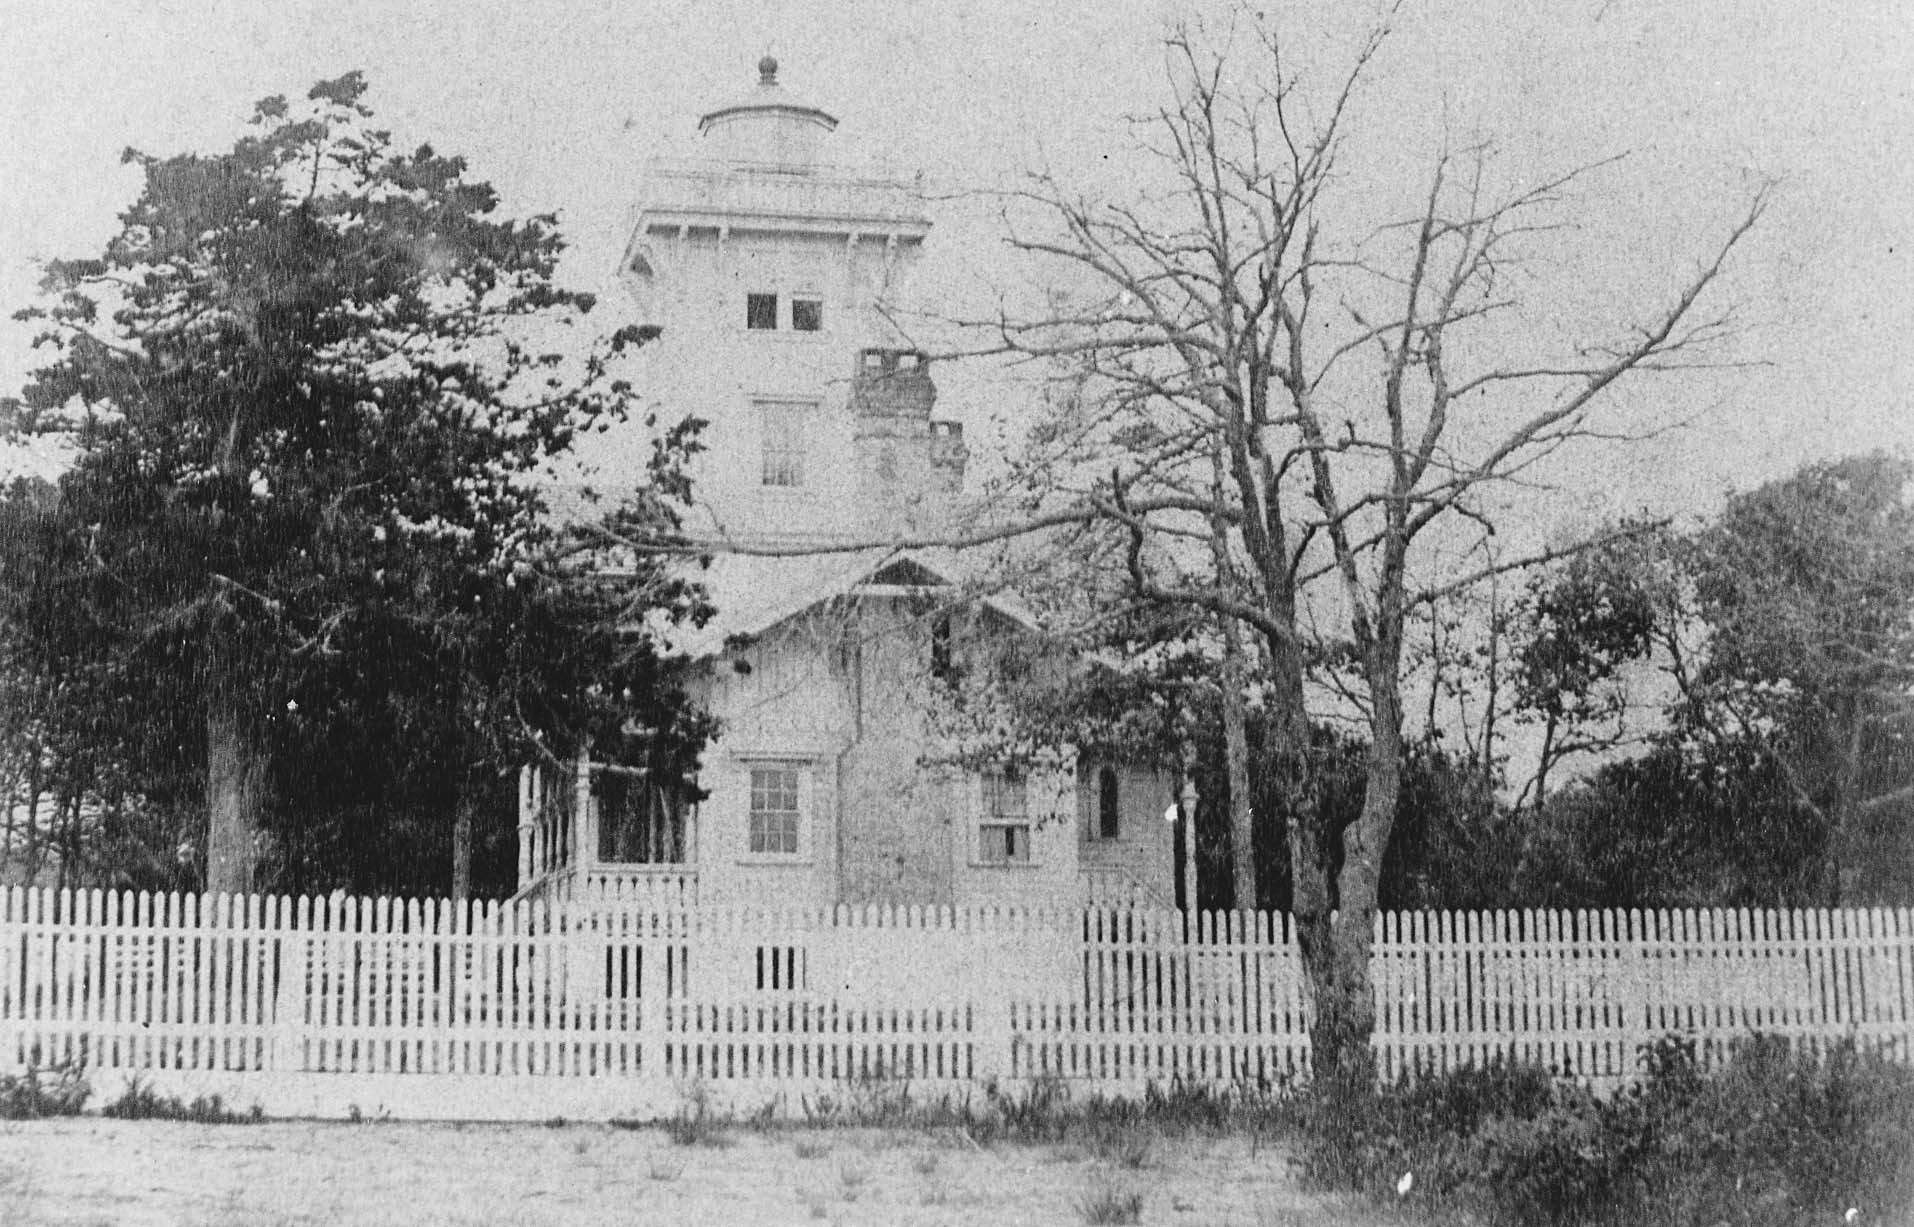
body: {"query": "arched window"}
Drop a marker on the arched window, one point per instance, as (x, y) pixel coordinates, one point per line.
(1108, 822)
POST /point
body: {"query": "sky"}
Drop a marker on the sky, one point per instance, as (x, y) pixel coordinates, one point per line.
(558, 104)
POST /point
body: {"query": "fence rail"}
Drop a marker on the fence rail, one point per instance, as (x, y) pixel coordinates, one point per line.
(438, 1008)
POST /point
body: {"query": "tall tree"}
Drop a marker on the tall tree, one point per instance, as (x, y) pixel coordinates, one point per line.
(316, 382)
(1806, 589)
(1226, 319)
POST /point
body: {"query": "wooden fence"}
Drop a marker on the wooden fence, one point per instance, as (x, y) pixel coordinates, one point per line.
(423, 1008)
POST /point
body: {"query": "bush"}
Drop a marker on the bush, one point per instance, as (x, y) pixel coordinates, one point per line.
(1774, 1137)
(60, 1091)
(1366, 1140)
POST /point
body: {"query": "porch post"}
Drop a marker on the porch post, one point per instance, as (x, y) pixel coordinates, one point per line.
(527, 822)
(582, 848)
(1189, 843)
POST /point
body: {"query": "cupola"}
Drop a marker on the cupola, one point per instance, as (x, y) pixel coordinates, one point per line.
(768, 129)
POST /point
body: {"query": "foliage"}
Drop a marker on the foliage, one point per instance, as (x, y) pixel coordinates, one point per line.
(30, 1096)
(1578, 624)
(1783, 631)
(1665, 830)
(304, 552)
(1774, 1137)
(1806, 586)
(142, 1102)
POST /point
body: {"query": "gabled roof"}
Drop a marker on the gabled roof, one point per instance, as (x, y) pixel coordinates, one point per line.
(754, 594)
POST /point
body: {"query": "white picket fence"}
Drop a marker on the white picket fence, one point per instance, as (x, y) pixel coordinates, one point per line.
(426, 1009)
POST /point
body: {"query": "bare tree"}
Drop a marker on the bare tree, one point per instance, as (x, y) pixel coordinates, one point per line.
(1284, 406)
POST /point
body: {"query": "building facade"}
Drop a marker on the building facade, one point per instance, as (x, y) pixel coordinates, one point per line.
(777, 279)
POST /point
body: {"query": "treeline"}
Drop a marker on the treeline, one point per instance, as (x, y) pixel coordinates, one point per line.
(1721, 716)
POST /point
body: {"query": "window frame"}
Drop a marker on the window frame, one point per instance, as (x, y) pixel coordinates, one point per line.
(798, 795)
(796, 456)
(995, 816)
(811, 300)
(1109, 803)
(753, 301)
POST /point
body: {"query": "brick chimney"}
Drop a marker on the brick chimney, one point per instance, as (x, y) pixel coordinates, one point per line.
(908, 466)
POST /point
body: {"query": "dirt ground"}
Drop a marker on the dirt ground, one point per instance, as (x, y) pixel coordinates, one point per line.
(95, 1171)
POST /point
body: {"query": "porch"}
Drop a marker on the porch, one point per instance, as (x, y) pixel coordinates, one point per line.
(603, 832)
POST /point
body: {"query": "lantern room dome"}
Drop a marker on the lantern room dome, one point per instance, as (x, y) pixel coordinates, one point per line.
(768, 128)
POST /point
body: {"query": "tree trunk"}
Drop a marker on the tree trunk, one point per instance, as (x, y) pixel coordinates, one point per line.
(462, 846)
(1346, 1013)
(1242, 834)
(236, 760)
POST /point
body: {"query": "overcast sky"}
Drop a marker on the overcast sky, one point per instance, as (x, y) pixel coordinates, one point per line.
(557, 104)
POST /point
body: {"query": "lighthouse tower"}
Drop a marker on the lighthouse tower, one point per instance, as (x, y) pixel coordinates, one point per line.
(778, 279)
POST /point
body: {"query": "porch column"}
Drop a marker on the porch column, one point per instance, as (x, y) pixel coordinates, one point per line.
(527, 822)
(1189, 843)
(583, 849)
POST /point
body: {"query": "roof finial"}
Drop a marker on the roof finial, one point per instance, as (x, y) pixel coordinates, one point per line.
(768, 70)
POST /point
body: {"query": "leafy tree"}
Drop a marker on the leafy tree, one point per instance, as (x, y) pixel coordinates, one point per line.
(1669, 828)
(1579, 624)
(1806, 589)
(315, 383)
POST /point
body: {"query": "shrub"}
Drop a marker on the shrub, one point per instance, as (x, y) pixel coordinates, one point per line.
(60, 1091)
(1771, 1138)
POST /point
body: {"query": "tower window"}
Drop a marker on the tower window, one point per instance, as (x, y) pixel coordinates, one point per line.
(761, 311)
(807, 314)
(1108, 811)
(783, 425)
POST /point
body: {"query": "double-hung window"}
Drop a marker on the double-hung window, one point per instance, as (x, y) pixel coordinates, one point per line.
(777, 809)
(1004, 830)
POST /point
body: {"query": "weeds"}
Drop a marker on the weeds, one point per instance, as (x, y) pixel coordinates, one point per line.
(1107, 1203)
(695, 1123)
(142, 1102)
(664, 1170)
(810, 1148)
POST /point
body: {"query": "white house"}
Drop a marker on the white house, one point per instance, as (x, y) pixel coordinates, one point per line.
(771, 272)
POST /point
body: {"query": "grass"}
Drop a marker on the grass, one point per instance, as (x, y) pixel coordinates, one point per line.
(1107, 1203)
